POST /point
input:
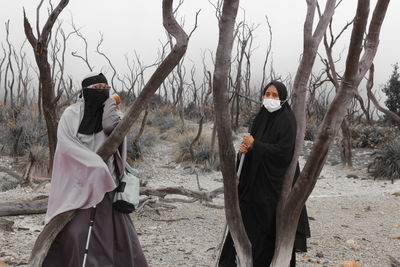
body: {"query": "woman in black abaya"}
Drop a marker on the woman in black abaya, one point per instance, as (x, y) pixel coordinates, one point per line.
(269, 149)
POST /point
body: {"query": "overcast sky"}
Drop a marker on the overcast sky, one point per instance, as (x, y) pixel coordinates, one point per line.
(132, 25)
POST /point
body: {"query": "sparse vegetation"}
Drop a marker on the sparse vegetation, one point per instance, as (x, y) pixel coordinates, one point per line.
(372, 136)
(311, 130)
(26, 121)
(386, 162)
(201, 150)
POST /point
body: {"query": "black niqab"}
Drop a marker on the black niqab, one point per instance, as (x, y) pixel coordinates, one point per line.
(93, 112)
(94, 104)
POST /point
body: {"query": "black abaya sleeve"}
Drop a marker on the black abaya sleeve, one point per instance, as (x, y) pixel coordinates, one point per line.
(282, 149)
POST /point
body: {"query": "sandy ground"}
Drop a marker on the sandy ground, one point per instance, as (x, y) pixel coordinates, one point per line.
(352, 217)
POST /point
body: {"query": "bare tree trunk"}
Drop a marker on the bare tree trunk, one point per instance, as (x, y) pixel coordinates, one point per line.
(363, 108)
(14, 152)
(224, 131)
(39, 45)
(293, 201)
(345, 149)
(112, 143)
(286, 222)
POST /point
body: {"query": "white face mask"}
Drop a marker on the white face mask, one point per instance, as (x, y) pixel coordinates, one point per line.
(271, 104)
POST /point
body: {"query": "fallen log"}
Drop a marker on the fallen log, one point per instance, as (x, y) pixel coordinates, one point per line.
(39, 205)
(180, 190)
(23, 207)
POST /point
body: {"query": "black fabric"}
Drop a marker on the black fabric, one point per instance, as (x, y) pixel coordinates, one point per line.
(261, 181)
(93, 112)
(123, 206)
(100, 78)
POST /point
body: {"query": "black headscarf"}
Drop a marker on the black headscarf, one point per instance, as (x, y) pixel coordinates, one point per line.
(94, 100)
(264, 117)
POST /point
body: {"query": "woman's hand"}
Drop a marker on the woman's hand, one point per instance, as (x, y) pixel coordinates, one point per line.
(116, 98)
(243, 149)
(247, 140)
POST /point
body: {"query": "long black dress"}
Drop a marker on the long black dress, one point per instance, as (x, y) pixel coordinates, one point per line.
(260, 186)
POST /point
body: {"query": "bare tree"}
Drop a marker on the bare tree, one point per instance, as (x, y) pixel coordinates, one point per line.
(293, 199)
(2, 62)
(9, 66)
(40, 44)
(244, 40)
(371, 96)
(345, 147)
(285, 221)
(108, 60)
(199, 130)
(84, 58)
(51, 230)
(267, 55)
(224, 131)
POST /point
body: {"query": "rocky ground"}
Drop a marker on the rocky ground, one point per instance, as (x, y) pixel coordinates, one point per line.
(352, 217)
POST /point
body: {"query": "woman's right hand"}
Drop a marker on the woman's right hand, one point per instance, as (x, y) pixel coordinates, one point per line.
(243, 149)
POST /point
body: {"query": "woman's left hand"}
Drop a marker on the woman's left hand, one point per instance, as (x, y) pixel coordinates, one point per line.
(248, 140)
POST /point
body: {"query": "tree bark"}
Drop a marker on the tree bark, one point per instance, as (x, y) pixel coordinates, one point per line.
(285, 220)
(345, 143)
(39, 45)
(224, 131)
(345, 149)
(292, 205)
(50, 231)
(162, 71)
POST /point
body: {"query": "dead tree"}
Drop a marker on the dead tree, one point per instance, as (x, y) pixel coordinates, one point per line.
(293, 199)
(9, 67)
(285, 222)
(2, 61)
(111, 145)
(84, 58)
(108, 60)
(267, 55)
(371, 96)
(345, 146)
(20, 60)
(243, 37)
(40, 44)
(199, 130)
(224, 131)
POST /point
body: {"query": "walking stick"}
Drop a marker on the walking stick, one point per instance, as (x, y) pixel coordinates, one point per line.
(226, 224)
(91, 222)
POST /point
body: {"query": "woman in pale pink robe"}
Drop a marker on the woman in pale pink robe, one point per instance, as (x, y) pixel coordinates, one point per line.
(81, 179)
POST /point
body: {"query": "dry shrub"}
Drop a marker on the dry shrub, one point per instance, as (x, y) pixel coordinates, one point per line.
(201, 149)
(372, 136)
(20, 118)
(387, 161)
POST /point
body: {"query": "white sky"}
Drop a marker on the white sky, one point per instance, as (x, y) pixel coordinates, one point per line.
(130, 25)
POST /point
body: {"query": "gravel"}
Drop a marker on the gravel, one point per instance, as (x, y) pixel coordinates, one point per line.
(352, 216)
